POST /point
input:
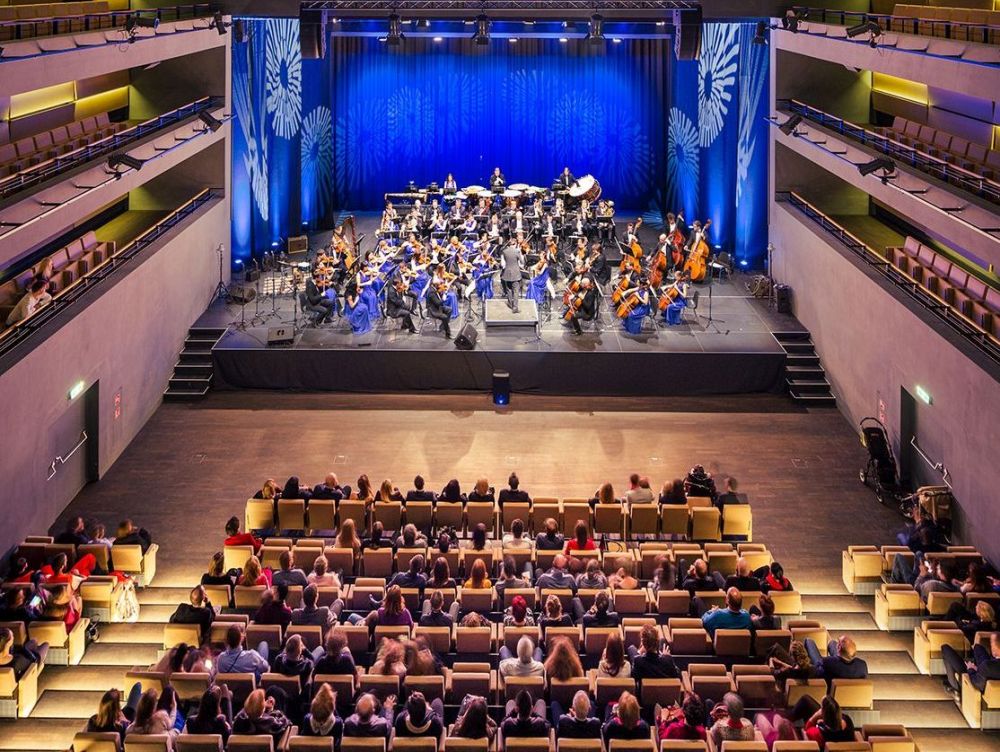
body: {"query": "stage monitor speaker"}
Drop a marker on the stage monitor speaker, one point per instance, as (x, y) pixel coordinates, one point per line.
(687, 34)
(783, 295)
(280, 335)
(501, 388)
(313, 41)
(466, 339)
(242, 294)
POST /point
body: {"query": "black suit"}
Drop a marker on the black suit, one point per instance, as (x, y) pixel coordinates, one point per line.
(317, 303)
(397, 307)
(508, 494)
(438, 309)
(565, 180)
(587, 309)
(497, 181)
(420, 495)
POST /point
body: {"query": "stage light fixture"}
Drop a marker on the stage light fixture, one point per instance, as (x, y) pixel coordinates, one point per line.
(218, 23)
(881, 163)
(512, 40)
(115, 161)
(563, 40)
(482, 33)
(145, 22)
(438, 39)
(211, 122)
(616, 40)
(760, 36)
(789, 126)
(595, 30)
(423, 23)
(395, 36)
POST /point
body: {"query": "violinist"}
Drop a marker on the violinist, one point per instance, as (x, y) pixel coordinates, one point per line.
(674, 300)
(583, 305)
(318, 303)
(540, 287)
(469, 226)
(438, 309)
(482, 270)
(400, 304)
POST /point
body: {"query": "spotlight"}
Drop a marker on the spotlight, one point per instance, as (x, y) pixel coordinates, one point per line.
(759, 36)
(395, 36)
(115, 161)
(563, 40)
(144, 22)
(790, 20)
(218, 23)
(501, 388)
(868, 27)
(595, 31)
(616, 40)
(789, 126)
(482, 34)
(438, 39)
(211, 122)
(882, 163)
(423, 23)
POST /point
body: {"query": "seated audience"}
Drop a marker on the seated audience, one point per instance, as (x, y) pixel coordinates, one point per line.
(410, 537)
(774, 578)
(482, 491)
(420, 718)
(311, 614)
(320, 576)
(579, 723)
(286, 574)
(700, 483)
(762, 616)
(672, 492)
(792, 664)
(509, 577)
(733, 616)
(477, 577)
(322, 720)
(274, 607)
(111, 716)
(260, 716)
(392, 612)
(527, 663)
(698, 579)
(474, 721)
(605, 495)
(665, 575)
(388, 492)
(729, 495)
(688, 724)
(592, 577)
(216, 575)
(35, 298)
(518, 614)
(600, 614)
(647, 661)
(130, 535)
(452, 492)
(330, 488)
(840, 662)
(613, 663)
(550, 539)
(524, 717)
(75, 533)
(419, 493)
(744, 579)
(253, 575)
(985, 665)
(441, 578)
(20, 657)
(269, 490)
(581, 540)
(236, 659)
(235, 538)
(336, 656)
(563, 662)
(478, 541)
(513, 492)
(413, 577)
(982, 620)
(552, 615)
(63, 605)
(622, 578)
(557, 578)
(294, 660)
(295, 490)
(729, 724)
(625, 722)
(347, 537)
(149, 719)
(829, 724)
(639, 491)
(516, 538)
(365, 491)
(214, 714)
(434, 615)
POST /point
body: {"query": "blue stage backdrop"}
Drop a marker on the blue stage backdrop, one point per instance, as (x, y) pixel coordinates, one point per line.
(322, 135)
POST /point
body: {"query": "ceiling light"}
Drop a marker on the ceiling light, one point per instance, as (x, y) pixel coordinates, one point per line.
(395, 36)
(595, 30)
(482, 33)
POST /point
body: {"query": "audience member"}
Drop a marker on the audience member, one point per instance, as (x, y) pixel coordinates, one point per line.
(217, 575)
(622, 578)
(557, 578)
(413, 576)
(260, 716)
(320, 577)
(294, 660)
(792, 664)
(370, 718)
(762, 616)
(733, 616)
(985, 665)
(330, 488)
(388, 492)
(483, 491)
(613, 663)
(365, 491)
(563, 662)
(130, 535)
(579, 723)
(75, 533)
(743, 580)
(699, 580)
(509, 576)
(513, 492)
(665, 575)
(269, 490)
(253, 575)
(274, 607)
(518, 614)
(639, 491)
(774, 578)
(592, 577)
(625, 722)
(729, 723)
(550, 539)
(198, 611)
(295, 490)
(524, 717)
(62, 605)
(600, 614)
(111, 716)
(673, 493)
(581, 540)
(516, 538)
(700, 483)
(527, 663)
(322, 720)
(433, 614)
(605, 495)
(311, 614)
(214, 714)
(347, 537)
(647, 660)
(20, 657)
(983, 619)
(149, 719)
(35, 298)
(420, 718)
(829, 724)
(441, 578)
(452, 492)
(688, 724)
(473, 720)
(552, 615)
(729, 495)
(477, 577)
(236, 659)
(235, 538)
(840, 662)
(335, 657)
(419, 493)
(286, 574)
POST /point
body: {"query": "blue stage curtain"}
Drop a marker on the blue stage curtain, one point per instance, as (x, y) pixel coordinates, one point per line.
(717, 139)
(421, 110)
(267, 101)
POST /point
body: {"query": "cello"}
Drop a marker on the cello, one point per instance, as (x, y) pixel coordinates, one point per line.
(697, 264)
(671, 293)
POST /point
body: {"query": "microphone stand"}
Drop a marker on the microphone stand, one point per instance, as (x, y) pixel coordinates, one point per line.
(256, 298)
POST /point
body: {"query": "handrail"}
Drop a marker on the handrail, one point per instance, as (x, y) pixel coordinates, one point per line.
(927, 163)
(18, 333)
(976, 335)
(92, 21)
(938, 466)
(32, 176)
(63, 460)
(909, 24)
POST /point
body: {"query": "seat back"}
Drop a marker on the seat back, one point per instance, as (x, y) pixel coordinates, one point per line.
(259, 514)
(563, 691)
(853, 693)
(475, 640)
(533, 685)
(250, 743)
(128, 558)
(108, 741)
(380, 686)
(610, 689)
(148, 743)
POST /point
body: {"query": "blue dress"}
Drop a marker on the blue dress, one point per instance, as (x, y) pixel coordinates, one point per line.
(359, 316)
(451, 299)
(370, 295)
(484, 281)
(536, 288)
(633, 322)
(420, 284)
(672, 314)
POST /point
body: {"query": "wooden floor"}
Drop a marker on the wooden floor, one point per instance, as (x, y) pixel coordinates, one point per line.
(194, 466)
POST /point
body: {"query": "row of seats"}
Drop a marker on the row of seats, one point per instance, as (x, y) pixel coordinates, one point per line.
(898, 607)
(865, 568)
(967, 294)
(38, 550)
(43, 19)
(32, 150)
(968, 155)
(69, 264)
(697, 520)
(928, 20)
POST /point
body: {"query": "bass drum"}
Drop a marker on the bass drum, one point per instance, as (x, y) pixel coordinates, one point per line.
(586, 187)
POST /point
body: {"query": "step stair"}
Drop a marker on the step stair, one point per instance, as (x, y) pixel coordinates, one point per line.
(805, 376)
(193, 372)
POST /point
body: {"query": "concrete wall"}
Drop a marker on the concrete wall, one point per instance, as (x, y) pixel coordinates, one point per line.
(872, 344)
(127, 340)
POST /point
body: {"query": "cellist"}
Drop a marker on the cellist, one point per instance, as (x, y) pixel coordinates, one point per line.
(582, 305)
(675, 298)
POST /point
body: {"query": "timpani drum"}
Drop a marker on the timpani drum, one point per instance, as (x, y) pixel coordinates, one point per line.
(586, 187)
(473, 190)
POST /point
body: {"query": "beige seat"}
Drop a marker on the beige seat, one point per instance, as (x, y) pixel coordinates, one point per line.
(352, 509)
(389, 513)
(432, 687)
(929, 638)
(97, 742)
(515, 510)
(131, 560)
(259, 514)
(861, 569)
(419, 513)
(253, 743)
(175, 634)
(737, 521)
(148, 743)
(18, 696)
(311, 743)
(65, 649)
(856, 697)
(705, 523)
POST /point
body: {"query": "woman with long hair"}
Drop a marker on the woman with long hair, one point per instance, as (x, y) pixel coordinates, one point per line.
(260, 716)
(553, 615)
(149, 718)
(795, 664)
(111, 715)
(440, 575)
(829, 724)
(482, 491)
(563, 662)
(625, 722)
(215, 714)
(365, 492)
(581, 540)
(322, 720)
(473, 720)
(477, 577)
(320, 577)
(452, 492)
(613, 663)
(388, 492)
(347, 537)
(390, 659)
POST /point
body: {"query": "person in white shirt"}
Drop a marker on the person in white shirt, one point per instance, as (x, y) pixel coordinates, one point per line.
(639, 491)
(528, 661)
(36, 297)
(236, 659)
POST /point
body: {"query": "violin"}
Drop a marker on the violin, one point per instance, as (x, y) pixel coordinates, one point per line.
(697, 264)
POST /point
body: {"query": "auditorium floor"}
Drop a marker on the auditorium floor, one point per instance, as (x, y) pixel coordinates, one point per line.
(193, 466)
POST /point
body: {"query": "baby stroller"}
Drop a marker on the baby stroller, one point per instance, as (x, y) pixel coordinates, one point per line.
(880, 473)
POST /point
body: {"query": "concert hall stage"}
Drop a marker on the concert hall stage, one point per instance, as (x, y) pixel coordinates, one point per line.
(736, 353)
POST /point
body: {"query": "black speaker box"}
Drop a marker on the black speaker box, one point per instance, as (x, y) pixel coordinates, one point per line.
(687, 34)
(783, 295)
(466, 339)
(242, 293)
(280, 335)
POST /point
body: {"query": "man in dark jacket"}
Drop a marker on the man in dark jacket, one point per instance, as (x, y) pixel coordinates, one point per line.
(199, 611)
(649, 662)
(367, 720)
(418, 493)
(983, 667)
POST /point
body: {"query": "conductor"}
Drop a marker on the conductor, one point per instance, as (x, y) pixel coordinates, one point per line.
(510, 276)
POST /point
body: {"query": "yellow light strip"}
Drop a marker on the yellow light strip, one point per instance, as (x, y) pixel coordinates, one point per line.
(900, 88)
(39, 100)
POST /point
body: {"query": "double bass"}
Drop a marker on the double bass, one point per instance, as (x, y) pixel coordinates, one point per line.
(697, 264)
(676, 242)
(657, 267)
(632, 260)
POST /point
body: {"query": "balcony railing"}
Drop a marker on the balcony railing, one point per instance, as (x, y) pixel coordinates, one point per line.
(33, 176)
(13, 336)
(32, 28)
(963, 31)
(972, 333)
(926, 163)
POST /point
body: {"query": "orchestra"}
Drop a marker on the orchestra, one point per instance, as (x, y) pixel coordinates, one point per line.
(439, 250)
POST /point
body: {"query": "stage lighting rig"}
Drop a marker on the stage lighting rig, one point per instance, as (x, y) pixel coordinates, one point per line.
(595, 29)
(116, 161)
(885, 164)
(789, 126)
(482, 33)
(868, 27)
(218, 23)
(791, 19)
(395, 36)
(212, 123)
